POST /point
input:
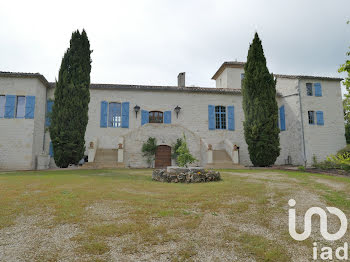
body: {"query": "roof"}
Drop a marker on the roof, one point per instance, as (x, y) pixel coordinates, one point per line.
(26, 75)
(163, 88)
(235, 64)
(309, 77)
(230, 64)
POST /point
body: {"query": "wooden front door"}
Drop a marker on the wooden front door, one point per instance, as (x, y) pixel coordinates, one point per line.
(163, 156)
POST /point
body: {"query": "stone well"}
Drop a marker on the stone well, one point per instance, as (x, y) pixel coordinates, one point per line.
(174, 174)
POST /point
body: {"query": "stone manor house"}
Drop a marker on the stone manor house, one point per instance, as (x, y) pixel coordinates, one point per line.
(123, 117)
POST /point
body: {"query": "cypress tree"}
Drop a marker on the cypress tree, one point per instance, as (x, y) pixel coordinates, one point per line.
(260, 108)
(72, 96)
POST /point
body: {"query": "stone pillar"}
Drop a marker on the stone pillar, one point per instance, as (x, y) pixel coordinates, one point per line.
(120, 153)
(210, 154)
(91, 152)
(235, 156)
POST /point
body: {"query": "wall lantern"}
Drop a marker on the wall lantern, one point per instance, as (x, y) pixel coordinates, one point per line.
(177, 111)
(136, 109)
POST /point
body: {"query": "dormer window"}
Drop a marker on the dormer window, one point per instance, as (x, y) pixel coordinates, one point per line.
(155, 117)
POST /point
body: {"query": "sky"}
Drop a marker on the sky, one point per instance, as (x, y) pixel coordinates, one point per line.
(150, 41)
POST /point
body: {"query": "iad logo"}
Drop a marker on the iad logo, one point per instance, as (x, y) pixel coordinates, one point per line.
(326, 252)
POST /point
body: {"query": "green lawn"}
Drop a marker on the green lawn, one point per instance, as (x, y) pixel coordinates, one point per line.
(122, 215)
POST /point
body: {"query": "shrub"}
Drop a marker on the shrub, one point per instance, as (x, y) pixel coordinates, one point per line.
(184, 156)
(149, 149)
(301, 168)
(338, 161)
(344, 150)
(176, 146)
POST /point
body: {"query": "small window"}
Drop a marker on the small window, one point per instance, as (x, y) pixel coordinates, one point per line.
(242, 78)
(220, 117)
(309, 89)
(2, 106)
(156, 117)
(311, 115)
(114, 115)
(20, 106)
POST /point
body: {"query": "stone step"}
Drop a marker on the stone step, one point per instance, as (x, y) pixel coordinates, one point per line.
(102, 165)
(221, 156)
(106, 155)
(224, 166)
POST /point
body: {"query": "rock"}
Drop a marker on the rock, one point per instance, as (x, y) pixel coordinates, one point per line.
(185, 175)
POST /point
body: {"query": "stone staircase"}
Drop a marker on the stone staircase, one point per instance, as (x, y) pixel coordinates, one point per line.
(222, 160)
(104, 158)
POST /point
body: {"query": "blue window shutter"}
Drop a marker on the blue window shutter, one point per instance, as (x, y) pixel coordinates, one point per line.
(104, 108)
(51, 149)
(282, 119)
(231, 117)
(30, 107)
(144, 117)
(167, 117)
(211, 117)
(318, 89)
(125, 114)
(10, 106)
(49, 105)
(319, 117)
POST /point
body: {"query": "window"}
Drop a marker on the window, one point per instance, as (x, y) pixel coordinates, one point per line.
(20, 106)
(114, 115)
(2, 106)
(155, 117)
(309, 89)
(242, 78)
(220, 117)
(311, 115)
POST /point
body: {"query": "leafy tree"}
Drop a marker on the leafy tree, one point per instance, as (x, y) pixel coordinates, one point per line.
(346, 102)
(72, 96)
(149, 149)
(184, 156)
(176, 146)
(260, 108)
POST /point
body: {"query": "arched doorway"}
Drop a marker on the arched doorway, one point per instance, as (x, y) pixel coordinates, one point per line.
(163, 156)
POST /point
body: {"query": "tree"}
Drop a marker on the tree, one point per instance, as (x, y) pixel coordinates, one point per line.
(149, 149)
(260, 108)
(346, 102)
(184, 156)
(72, 96)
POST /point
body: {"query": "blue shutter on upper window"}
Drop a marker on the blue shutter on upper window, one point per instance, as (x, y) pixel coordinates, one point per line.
(51, 149)
(144, 117)
(30, 107)
(167, 117)
(318, 89)
(231, 117)
(125, 114)
(103, 119)
(319, 117)
(10, 106)
(211, 117)
(49, 105)
(282, 119)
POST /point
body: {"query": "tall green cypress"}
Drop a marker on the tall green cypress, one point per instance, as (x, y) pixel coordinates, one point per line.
(261, 131)
(72, 96)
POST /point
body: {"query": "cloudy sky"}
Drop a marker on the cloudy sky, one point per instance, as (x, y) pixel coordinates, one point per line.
(151, 41)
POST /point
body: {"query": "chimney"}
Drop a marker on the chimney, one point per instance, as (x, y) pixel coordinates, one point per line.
(181, 79)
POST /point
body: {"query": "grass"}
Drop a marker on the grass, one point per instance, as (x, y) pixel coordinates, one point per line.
(124, 212)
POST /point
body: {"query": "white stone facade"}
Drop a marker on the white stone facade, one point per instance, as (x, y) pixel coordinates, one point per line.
(22, 141)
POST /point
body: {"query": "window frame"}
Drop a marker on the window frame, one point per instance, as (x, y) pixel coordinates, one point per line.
(24, 107)
(311, 113)
(152, 118)
(220, 117)
(115, 123)
(309, 89)
(3, 107)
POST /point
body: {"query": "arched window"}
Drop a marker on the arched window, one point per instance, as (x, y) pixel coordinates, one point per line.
(220, 117)
(155, 117)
